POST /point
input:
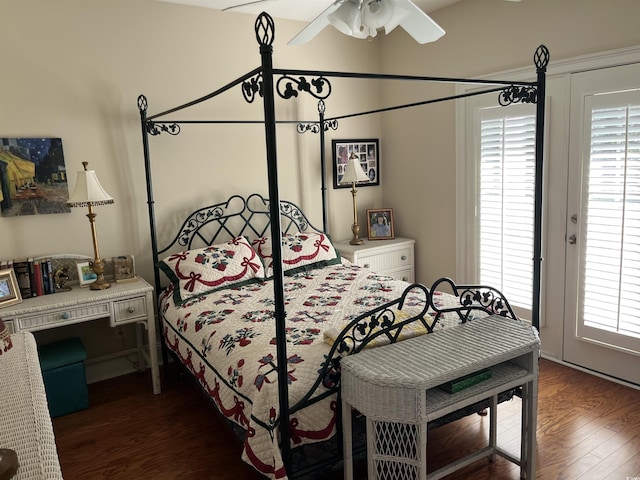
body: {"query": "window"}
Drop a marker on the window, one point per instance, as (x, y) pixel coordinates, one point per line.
(611, 205)
(505, 201)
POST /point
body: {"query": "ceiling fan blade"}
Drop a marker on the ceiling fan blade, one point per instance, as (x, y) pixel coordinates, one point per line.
(417, 23)
(242, 5)
(316, 25)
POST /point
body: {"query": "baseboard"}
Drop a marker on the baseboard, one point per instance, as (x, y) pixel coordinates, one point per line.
(553, 358)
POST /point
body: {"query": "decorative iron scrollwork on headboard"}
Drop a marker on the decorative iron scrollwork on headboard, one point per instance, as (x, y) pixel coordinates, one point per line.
(518, 94)
(195, 221)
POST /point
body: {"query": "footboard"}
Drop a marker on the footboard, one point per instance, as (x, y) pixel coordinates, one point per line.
(390, 323)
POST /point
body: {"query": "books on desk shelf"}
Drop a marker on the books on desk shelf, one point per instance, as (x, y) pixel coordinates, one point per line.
(34, 276)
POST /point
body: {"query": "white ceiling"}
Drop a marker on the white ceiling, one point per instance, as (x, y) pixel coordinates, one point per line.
(305, 10)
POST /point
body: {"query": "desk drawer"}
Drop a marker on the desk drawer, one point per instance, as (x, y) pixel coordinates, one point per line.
(131, 310)
(62, 316)
(399, 258)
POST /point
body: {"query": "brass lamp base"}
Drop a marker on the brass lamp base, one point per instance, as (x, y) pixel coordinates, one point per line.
(100, 283)
(355, 228)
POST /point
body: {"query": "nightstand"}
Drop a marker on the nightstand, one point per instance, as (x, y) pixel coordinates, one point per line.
(386, 257)
(122, 303)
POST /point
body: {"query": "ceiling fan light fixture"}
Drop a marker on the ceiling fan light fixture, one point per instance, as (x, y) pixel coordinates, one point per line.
(377, 13)
(363, 18)
(346, 18)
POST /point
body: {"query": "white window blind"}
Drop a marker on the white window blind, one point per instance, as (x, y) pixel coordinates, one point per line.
(506, 201)
(610, 287)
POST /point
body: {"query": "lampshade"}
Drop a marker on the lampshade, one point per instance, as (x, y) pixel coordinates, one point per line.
(353, 171)
(88, 191)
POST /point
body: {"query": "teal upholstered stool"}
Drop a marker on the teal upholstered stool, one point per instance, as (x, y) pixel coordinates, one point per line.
(63, 372)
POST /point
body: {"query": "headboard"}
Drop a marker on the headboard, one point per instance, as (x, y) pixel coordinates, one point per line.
(235, 217)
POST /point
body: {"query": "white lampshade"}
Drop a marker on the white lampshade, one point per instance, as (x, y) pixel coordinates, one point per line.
(88, 191)
(354, 172)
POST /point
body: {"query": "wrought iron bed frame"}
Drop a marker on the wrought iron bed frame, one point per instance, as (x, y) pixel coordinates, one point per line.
(265, 82)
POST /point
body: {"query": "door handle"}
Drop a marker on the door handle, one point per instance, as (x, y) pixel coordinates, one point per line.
(572, 240)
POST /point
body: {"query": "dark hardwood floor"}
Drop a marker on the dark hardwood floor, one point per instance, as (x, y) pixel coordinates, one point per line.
(588, 428)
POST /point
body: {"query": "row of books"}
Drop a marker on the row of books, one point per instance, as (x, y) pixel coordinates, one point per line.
(35, 276)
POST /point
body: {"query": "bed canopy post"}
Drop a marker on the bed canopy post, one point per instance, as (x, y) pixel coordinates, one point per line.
(323, 188)
(541, 60)
(265, 35)
(142, 107)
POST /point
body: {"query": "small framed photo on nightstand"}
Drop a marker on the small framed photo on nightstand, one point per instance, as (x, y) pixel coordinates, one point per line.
(86, 275)
(9, 290)
(124, 269)
(380, 224)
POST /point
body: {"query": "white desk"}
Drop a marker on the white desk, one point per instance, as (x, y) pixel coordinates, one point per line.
(122, 303)
(396, 388)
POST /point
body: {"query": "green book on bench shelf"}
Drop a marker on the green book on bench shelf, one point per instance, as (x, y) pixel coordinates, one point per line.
(467, 381)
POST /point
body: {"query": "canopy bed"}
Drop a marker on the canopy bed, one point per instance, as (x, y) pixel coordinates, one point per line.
(293, 302)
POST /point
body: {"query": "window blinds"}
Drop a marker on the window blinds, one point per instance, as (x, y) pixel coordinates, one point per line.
(506, 203)
(610, 290)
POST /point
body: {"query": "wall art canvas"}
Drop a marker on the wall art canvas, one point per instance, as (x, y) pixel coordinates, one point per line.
(33, 177)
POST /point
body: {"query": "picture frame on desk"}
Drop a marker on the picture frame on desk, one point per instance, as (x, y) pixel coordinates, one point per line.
(86, 275)
(124, 269)
(9, 290)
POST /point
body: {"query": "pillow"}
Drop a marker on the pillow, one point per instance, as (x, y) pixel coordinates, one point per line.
(196, 272)
(300, 252)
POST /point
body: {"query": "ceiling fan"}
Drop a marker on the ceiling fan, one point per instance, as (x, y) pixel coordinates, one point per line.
(363, 18)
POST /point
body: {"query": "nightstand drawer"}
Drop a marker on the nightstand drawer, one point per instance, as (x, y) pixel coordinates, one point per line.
(126, 311)
(62, 316)
(405, 274)
(397, 258)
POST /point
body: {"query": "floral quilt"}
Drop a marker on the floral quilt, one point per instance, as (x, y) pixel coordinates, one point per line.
(227, 340)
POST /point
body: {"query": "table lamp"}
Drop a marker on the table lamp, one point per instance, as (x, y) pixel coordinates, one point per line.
(89, 193)
(354, 173)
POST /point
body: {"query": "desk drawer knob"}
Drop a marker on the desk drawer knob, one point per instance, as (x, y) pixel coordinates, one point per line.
(403, 258)
(366, 265)
(405, 279)
(65, 316)
(131, 310)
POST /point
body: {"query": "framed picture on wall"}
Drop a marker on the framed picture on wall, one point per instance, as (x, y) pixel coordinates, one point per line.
(380, 224)
(367, 152)
(9, 290)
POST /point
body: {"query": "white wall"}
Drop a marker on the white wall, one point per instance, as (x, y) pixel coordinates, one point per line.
(74, 69)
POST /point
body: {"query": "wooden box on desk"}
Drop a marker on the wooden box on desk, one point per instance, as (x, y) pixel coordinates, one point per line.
(64, 376)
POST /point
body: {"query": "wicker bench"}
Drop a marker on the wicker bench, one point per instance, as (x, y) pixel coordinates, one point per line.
(397, 388)
(25, 424)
